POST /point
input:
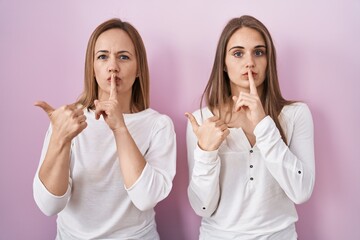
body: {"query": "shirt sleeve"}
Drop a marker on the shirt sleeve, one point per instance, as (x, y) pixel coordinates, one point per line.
(293, 165)
(204, 172)
(48, 203)
(155, 181)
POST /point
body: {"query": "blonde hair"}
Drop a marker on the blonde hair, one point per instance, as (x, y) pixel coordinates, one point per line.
(140, 99)
(217, 93)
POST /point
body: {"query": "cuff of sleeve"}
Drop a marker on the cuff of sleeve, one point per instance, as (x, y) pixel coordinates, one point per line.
(49, 203)
(45, 192)
(205, 156)
(143, 174)
(150, 188)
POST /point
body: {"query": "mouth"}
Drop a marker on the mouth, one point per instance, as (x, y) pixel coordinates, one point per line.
(253, 73)
(117, 79)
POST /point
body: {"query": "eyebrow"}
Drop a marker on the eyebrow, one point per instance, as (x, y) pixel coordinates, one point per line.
(257, 46)
(119, 52)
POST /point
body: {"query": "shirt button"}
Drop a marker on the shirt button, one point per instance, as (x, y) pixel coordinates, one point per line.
(299, 172)
(251, 178)
(251, 151)
(204, 208)
(251, 166)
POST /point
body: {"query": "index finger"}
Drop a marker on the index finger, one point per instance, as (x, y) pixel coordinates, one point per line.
(113, 90)
(253, 89)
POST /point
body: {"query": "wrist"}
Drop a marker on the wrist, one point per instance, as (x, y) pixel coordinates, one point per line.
(207, 148)
(120, 130)
(60, 140)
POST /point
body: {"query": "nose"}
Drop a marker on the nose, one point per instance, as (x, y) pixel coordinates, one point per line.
(250, 63)
(113, 66)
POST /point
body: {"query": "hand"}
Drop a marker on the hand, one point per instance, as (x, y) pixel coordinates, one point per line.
(211, 133)
(110, 109)
(67, 121)
(250, 102)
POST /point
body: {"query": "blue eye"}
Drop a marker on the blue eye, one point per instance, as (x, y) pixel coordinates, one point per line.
(259, 52)
(102, 57)
(124, 57)
(238, 54)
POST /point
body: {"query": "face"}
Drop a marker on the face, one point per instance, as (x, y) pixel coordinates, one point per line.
(245, 50)
(115, 53)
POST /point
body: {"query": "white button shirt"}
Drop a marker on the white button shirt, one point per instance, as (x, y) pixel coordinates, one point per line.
(97, 205)
(245, 192)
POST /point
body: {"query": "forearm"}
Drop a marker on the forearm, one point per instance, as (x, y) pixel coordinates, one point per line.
(204, 190)
(292, 166)
(132, 162)
(294, 176)
(54, 171)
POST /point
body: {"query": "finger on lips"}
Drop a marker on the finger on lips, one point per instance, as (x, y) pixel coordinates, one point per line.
(113, 91)
(253, 89)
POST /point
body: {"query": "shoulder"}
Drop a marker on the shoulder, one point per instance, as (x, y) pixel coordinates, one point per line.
(156, 119)
(295, 109)
(296, 112)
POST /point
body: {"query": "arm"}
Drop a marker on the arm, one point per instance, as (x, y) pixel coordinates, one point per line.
(132, 162)
(49, 203)
(292, 166)
(52, 181)
(155, 181)
(203, 142)
(204, 171)
(148, 179)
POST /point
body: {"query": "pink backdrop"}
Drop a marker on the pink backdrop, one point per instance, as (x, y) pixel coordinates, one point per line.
(42, 47)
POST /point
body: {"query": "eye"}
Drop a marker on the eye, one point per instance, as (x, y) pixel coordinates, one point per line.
(124, 57)
(238, 54)
(102, 57)
(259, 52)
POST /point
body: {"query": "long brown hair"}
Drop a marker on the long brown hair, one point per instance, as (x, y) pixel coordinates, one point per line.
(217, 93)
(140, 99)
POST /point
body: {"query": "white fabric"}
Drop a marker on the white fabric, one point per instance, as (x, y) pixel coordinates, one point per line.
(232, 205)
(97, 205)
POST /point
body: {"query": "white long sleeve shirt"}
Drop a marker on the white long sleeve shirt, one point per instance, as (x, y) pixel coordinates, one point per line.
(245, 192)
(97, 205)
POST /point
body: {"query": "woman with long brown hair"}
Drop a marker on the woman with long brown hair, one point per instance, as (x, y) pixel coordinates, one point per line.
(250, 151)
(109, 158)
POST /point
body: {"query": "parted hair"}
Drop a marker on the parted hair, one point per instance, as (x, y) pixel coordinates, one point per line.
(140, 99)
(217, 93)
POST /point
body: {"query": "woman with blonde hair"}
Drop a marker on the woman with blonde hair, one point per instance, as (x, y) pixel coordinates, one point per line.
(250, 151)
(109, 158)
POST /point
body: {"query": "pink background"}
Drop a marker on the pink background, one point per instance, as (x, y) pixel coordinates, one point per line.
(42, 47)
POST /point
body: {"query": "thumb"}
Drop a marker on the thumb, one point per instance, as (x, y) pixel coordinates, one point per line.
(192, 120)
(45, 106)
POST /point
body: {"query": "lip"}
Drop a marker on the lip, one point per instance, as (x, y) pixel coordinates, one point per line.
(253, 73)
(116, 78)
